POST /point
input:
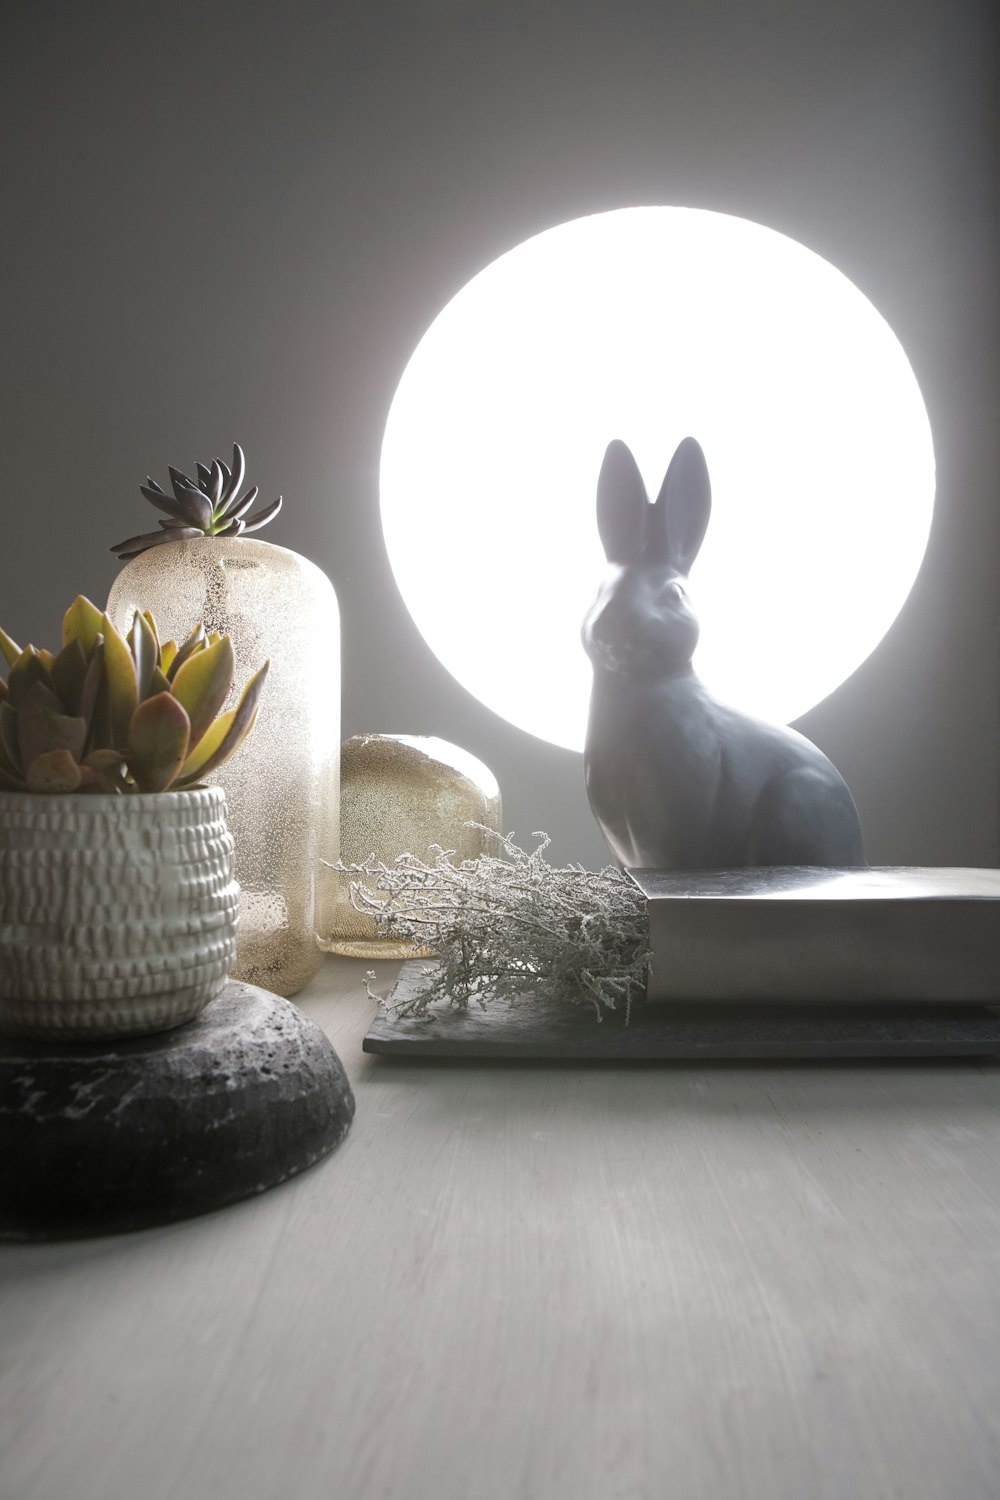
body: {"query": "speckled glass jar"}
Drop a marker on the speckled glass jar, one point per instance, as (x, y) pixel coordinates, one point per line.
(282, 786)
(118, 915)
(399, 795)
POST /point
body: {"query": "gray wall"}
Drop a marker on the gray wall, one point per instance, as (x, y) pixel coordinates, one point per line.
(228, 220)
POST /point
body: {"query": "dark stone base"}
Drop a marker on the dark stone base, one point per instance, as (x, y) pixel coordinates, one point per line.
(534, 1027)
(119, 1135)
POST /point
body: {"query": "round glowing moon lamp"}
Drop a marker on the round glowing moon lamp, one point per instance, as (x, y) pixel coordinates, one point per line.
(648, 324)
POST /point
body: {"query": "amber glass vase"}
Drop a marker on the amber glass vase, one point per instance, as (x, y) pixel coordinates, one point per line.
(282, 787)
(403, 794)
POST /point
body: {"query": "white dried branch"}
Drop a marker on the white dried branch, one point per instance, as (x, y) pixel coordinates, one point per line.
(510, 924)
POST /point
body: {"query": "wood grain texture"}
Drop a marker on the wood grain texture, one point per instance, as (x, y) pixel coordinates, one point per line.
(604, 1282)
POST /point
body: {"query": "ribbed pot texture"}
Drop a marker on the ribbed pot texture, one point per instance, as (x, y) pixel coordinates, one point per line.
(118, 915)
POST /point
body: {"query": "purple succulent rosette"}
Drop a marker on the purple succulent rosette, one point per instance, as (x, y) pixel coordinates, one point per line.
(209, 506)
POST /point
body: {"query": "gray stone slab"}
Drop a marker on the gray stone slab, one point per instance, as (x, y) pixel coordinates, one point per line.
(119, 1135)
(539, 1027)
(807, 935)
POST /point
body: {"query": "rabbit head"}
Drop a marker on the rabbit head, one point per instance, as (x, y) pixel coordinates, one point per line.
(641, 625)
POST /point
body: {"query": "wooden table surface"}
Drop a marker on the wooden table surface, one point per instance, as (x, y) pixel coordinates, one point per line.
(555, 1282)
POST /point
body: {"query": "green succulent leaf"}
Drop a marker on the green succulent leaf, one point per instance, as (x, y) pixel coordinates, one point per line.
(93, 783)
(202, 683)
(68, 672)
(194, 642)
(121, 681)
(225, 736)
(53, 771)
(40, 692)
(92, 682)
(26, 671)
(11, 650)
(100, 735)
(158, 739)
(210, 753)
(145, 653)
(167, 653)
(42, 728)
(82, 622)
(8, 735)
(158, 683)
(104, 770)
(104, 760)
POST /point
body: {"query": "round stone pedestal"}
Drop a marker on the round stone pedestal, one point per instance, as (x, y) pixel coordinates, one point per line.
(117, 1135)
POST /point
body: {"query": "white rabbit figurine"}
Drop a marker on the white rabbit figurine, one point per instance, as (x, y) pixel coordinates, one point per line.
(676, 780)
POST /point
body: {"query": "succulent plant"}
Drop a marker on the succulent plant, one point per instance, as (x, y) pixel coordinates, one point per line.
(116, 715)
(209, 506)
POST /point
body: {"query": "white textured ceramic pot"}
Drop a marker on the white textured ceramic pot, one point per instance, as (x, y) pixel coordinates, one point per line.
(118, 915)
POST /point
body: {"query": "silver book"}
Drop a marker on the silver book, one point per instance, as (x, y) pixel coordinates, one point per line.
(804, 935)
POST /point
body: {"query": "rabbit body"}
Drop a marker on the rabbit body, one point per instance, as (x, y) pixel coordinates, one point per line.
(676, 779)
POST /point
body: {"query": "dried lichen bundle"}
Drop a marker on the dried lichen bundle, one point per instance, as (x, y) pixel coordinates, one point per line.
(509, 924)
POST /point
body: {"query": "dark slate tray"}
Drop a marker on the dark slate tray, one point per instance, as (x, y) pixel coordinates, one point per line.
(534, 1027)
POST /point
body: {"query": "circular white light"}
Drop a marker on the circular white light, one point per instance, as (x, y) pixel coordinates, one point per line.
(648, 324)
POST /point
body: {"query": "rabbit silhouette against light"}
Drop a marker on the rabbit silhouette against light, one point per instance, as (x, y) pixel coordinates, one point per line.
(676, 779)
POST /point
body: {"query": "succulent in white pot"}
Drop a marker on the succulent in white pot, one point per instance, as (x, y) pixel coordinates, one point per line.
(283, 791)
(118, 902)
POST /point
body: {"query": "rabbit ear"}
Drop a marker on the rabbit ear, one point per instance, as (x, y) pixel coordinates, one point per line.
(680, 516)
(622, 505)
